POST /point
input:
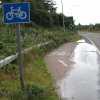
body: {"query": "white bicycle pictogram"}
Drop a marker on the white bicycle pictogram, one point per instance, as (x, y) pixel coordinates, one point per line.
(19, 14)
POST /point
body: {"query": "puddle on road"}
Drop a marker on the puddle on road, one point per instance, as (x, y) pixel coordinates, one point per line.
(82, 82)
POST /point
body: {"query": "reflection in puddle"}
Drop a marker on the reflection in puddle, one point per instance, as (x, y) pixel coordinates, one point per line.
(81, 40)
(83, 81)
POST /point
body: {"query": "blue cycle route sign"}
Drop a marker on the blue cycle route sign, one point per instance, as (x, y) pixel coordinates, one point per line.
(16, 12)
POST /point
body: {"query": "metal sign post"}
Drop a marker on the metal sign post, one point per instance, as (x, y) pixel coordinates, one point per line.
(17, 13)
(20, 56)
(63, 16)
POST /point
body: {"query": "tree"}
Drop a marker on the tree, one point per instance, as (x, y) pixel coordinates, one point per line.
(41, 13)
(79, 24)
(6, 1)
(49, 5)
(11, 1)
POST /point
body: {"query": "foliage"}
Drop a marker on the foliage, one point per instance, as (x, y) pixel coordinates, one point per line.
(49, 5)
(35, 72)
(29, 37)
(60, 19)
(30, 92)
(91, 28)
(42, 18)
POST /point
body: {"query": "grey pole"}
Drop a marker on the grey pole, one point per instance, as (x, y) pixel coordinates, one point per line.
(20, 56)
(63, 16)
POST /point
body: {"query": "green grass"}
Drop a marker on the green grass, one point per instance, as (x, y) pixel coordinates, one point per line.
(74, 38)
(35, 72)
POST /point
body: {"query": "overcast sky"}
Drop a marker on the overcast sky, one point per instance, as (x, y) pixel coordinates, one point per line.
(84, 12)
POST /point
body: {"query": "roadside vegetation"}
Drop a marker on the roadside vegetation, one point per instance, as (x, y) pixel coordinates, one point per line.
(45, 25)
(89, 28)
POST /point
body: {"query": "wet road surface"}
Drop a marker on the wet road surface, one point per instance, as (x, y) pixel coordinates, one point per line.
(94, 37)
(82, 81)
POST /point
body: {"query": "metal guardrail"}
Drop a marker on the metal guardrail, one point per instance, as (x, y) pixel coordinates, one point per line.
(9, 59)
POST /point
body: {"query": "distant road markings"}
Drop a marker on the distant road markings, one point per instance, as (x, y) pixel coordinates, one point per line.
(97, 36)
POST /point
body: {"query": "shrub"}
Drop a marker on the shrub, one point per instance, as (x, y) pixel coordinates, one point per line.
(30, 92)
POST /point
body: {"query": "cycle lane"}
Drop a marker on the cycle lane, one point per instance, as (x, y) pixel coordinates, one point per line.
(57, 61)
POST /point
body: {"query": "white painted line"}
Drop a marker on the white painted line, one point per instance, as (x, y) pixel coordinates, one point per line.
(63, 63)
(94, 45)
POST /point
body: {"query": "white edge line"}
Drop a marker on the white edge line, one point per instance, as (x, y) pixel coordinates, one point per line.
(94, 45)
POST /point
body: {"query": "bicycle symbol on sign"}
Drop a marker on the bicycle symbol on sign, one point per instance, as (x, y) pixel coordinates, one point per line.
(19, 14)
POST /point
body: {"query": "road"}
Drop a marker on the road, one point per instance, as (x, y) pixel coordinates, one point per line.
(94, 37)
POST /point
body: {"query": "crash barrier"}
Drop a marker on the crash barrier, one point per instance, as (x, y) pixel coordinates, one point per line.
(9, 59)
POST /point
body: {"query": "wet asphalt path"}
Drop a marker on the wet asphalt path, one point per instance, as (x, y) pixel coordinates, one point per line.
(94, 37)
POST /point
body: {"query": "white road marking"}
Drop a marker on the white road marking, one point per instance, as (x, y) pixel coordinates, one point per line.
(63, 63)
(58, 53)
(94, 45)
